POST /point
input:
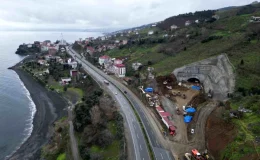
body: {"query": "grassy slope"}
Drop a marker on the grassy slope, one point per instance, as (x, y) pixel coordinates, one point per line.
(233, 43)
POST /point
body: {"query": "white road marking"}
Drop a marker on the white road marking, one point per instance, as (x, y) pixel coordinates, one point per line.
(161, 156)
(140, 147)
(137, 135)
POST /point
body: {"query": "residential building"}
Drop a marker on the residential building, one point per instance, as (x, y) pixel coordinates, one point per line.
(29, 45)
(42, 62)
(150, 33)
(72, 63)
(52, 50)
(118, 61)
(173, 27)
(44, 48)
(253, 18)
(136, 66)
(65, 81)
(187, 23)
(103, 59)
(124, 42)
(119, 70)
(216, 17)
(73, 73)
(90, 50)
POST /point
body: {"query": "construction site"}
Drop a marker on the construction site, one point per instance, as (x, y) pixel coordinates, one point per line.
(184, 104)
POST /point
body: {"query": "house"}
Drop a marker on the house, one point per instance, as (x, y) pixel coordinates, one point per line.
(90, 50)
(42, 62)
(118, 61)
(119, 70)
(103, 59)
(44, 48)
(52, 50)
(47, 57)
(153, 25)
(73, 73)
(187, 23)
(29, 45)
(150, 33)
(197, 21)
(103, 38)
(65, 81)
(117, 41)
(216, 17)
(72, 63)
(256, 19)
(173, 27)
(46, 71)
(124, 42)
(136, 66)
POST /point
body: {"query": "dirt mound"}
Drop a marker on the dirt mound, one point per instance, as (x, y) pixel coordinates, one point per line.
(200, 98)
(218, 133)
(171, 81)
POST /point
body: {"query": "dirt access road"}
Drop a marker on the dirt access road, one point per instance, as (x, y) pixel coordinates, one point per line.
(184, 141)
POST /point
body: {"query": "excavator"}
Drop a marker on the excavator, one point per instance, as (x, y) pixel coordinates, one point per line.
(195, 155)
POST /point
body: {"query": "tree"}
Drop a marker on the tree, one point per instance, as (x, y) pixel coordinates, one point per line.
(242, 62)
(149, 63)
(65, 88)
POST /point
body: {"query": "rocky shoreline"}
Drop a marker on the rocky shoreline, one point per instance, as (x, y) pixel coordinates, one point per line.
(50, 107)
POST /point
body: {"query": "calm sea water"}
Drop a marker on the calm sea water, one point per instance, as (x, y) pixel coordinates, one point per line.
(16, 107)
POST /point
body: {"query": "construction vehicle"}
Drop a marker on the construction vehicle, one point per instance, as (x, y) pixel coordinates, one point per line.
(210, 93)
(196, 155)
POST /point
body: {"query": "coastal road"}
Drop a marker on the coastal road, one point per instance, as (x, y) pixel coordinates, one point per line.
(73, 141)
(139, 144)
(159, 152)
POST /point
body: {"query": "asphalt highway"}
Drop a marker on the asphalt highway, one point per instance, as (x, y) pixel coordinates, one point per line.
(140, 147)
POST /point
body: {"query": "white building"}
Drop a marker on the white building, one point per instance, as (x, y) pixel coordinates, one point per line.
(173, 27)
(187, 23)
(119, 70)
(73, 64)
(103, 60)
(150, 33)
(136, 66)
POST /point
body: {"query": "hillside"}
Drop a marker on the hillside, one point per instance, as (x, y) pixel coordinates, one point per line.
(232, 34)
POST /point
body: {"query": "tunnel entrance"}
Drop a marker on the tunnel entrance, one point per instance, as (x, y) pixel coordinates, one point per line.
(193, 80)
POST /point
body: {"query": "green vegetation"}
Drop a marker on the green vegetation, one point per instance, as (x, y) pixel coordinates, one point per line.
(62, 157)
(233, 35)
(58, 149)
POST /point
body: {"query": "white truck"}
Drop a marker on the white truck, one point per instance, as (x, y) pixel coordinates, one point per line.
(106, 82)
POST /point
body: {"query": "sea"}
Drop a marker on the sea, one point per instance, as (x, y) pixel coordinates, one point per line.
(16, 106)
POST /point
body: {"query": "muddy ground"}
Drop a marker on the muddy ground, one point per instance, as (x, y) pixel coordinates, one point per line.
(218, 133)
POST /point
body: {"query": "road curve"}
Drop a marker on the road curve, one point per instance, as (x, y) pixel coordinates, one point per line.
(140, 147)
(159, 152)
